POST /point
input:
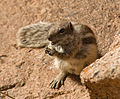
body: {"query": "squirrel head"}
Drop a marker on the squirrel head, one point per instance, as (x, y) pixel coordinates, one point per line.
(60, 31)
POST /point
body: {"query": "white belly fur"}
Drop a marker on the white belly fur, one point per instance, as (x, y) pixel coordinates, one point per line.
(72, 66)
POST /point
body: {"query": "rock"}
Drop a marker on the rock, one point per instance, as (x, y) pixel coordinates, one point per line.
(102, 77)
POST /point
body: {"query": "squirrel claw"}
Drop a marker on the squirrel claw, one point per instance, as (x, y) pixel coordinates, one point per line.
(58, 81)
(49, 51)
(56, 84)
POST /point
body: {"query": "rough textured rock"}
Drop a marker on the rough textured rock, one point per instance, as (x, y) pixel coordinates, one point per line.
(103, 76)
(26, 73)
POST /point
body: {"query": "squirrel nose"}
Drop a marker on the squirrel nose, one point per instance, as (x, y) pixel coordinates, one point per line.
(49, 37)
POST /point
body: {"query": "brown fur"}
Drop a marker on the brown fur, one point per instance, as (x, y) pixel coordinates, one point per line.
(34, 35)
(73, 45)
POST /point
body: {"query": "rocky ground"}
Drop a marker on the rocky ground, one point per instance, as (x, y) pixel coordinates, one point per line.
(25, 73)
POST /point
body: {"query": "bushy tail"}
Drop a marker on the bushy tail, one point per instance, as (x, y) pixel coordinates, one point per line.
(34, 35)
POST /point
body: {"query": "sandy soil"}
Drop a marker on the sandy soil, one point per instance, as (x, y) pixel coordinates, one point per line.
(25, 73)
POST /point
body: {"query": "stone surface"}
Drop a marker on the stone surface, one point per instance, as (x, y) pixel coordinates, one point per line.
(26, 73)
(102, 77)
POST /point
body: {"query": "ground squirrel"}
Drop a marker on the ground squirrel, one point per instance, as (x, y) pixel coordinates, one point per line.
(73, 45)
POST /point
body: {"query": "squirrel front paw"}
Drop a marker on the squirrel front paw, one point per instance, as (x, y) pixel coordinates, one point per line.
(49, 51)
(59, 80)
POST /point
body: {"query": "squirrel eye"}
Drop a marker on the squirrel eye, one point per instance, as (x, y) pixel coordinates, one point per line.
(62, 30)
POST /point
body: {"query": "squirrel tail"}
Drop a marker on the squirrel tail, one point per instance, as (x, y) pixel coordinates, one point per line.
(34, 35)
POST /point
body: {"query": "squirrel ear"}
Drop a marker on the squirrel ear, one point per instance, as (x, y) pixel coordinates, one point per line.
(71, 26)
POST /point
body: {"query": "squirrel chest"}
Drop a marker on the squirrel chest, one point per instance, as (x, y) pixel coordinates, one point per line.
(72, 66)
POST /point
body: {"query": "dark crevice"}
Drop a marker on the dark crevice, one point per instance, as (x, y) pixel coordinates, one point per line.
(6, 87)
